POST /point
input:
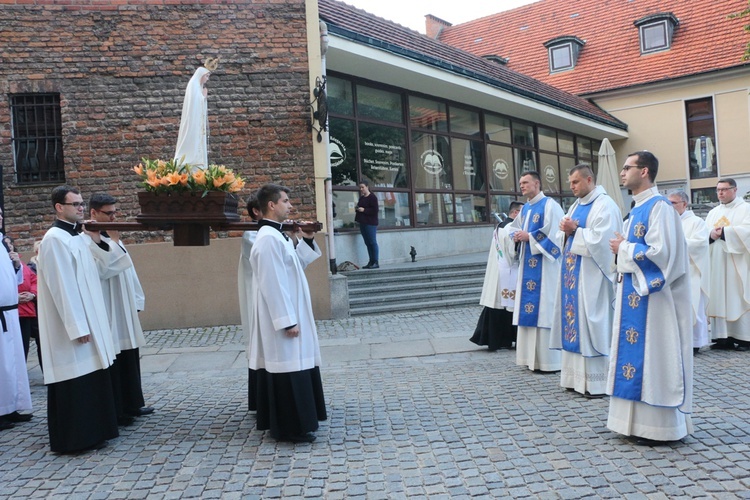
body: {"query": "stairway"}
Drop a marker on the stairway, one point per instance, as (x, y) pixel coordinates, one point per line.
(414, 288)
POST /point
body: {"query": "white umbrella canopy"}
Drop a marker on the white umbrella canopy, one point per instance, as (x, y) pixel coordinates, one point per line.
(608, 174)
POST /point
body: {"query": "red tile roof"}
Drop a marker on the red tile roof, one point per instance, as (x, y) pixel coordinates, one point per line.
(704, 41)
(349, 22)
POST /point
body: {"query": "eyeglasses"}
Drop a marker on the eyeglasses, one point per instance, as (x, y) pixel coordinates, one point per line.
(108, 213)
(625, 168)
(723, 190)
(76, 204)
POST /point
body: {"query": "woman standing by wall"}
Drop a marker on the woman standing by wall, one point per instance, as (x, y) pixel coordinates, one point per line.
(367, 217)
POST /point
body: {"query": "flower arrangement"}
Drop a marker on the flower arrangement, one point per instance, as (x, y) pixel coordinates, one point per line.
(159, 176)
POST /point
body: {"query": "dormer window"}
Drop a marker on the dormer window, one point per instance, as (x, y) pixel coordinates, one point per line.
(656, 31)
(563, 52)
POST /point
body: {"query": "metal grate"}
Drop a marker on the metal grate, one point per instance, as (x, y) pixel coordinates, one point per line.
(37, 138)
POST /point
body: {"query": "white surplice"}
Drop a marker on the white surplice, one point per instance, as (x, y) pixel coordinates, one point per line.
(587, 371)
(14, 379)
(501, 273)
(697, 234)
(280, 298)
(729, 295)
(532, 344)
(71, 305)
(663, 412)
(124, 297)
(245, 274)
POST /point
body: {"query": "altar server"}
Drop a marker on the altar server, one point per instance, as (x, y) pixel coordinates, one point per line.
(14, 379)
(76, 339)
(124, 298)
(651, 359)
(284, 350)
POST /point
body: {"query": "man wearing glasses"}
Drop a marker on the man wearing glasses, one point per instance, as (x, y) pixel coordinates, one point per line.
(729, 251)
(651, 359)
(124, 298)
(77, 347)
(696, 233)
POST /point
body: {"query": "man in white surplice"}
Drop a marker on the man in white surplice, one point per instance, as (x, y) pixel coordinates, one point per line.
(284, 350)
(729, 251)
(651, 359)
(539, 269)
(74, 331)
(582, 327)
(245, 275)
(696, 233)
(124, 298)
(14, 379)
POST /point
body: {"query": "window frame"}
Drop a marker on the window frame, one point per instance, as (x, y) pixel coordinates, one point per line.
(552, 49)
(665, 31)
(37, 105)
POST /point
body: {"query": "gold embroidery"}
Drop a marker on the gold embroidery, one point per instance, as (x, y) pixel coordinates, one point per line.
(513, 294)
(631, 335)
(555, 251)
(536, 218)
(639, 230)
(529, 308)
(533, 262)
(656, 283)
(540, 236)
(505, 293)
(531, 285)
(628, 371)
(634, 300)
(640, 256)
(723, 222)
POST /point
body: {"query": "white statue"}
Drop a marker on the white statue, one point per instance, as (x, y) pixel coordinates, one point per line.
(192, 141)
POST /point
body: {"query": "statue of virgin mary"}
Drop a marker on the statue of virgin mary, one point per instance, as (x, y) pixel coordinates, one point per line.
(192, 141)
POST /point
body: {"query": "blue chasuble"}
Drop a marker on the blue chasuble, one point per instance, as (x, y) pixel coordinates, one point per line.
(571, 267)
(631, 336)
(531, 285)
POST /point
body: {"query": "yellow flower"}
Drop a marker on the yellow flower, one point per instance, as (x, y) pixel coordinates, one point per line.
(184, 179)
(153, 182)
(219, 182)
(138, 169)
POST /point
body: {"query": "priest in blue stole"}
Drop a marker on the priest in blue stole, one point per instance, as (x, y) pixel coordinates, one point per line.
(535, 230)
(651, 359)
(582, 328)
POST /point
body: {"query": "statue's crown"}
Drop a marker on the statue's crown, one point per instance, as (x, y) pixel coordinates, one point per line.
(211, 63)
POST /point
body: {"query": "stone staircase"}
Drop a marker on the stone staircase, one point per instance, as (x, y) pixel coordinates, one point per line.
(407, 288)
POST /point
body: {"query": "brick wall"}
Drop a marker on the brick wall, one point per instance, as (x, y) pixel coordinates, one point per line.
(121, 67)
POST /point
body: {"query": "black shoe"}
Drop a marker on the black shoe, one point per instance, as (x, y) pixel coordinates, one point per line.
(4, 425)
(374, 266)
(588, 395)
(368, 266)
(742, 348)
(696, 350)
(307, 437)
(139, 412)
(724, 345)
(125, 421)
(16, 417)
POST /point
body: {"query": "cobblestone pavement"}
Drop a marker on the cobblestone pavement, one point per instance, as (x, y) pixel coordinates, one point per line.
(436, 418)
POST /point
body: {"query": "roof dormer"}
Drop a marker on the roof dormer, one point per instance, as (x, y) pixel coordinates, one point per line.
(563, 52)
(656, 31)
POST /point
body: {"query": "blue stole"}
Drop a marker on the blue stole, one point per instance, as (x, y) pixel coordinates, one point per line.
(531, 283)
(571, 267)
(631, 338)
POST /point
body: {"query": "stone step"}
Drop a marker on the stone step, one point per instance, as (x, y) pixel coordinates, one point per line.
(371, 289)
(417, 297)
(364, 279)
(435, 304)
(367, 274)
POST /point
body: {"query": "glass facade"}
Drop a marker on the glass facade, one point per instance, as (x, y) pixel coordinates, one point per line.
(433, 162)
